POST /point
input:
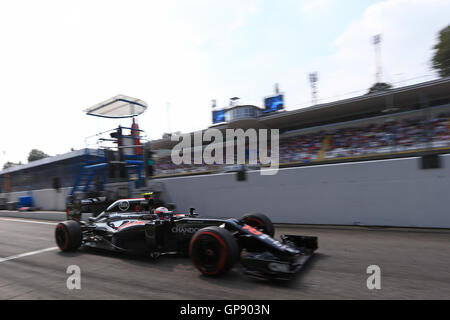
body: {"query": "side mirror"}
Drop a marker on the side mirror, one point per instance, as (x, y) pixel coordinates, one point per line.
(192, 213)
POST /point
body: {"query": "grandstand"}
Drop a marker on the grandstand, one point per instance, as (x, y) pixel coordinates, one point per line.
(407, 121)
(401, 122)
(53, 172)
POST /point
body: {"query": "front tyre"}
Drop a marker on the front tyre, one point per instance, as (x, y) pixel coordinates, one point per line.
(260, 222)
(213, 251)
(68, 235)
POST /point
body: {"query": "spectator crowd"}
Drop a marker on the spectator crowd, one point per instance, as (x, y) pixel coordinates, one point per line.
(388, 137)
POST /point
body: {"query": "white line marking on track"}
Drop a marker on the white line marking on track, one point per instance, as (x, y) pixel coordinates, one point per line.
(27, 254)
(27, 221)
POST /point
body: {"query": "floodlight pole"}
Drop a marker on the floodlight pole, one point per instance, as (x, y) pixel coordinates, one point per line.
(313, 78)
(233, 101)
(168, 116)
(378, 66)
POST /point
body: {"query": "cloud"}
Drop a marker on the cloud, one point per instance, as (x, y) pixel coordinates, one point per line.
(310, 6)
(59, 58)
(408, 29)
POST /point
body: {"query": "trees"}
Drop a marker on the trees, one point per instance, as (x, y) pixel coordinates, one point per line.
(441, 58)
(36, 154)
(379, 86)
(10, 164)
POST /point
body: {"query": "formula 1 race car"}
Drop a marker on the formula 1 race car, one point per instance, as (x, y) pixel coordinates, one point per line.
(214, 245)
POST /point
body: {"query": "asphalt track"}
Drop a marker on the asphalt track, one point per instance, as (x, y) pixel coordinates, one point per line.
(414, 265)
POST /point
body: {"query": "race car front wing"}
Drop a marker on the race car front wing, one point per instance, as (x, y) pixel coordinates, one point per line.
(267, 265)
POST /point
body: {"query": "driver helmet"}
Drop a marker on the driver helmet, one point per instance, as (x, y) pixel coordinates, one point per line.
(162, 212)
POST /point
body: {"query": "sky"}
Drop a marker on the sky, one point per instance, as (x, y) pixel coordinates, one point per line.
(58, 58)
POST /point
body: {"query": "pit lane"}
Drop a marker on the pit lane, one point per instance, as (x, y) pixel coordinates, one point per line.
(414, 265)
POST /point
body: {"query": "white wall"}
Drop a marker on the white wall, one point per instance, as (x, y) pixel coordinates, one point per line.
(46, 199)
(387, 192)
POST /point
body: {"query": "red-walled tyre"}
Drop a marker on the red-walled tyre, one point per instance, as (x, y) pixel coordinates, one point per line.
(68, 235)
(213, 251)
(259, 221)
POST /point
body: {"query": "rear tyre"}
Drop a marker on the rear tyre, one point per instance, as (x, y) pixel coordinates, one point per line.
(213, 251)
(68, 235)
(260, 222)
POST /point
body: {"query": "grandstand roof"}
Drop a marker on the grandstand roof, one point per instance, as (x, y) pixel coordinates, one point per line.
(406, 98)
(48, 160)
(361, 105)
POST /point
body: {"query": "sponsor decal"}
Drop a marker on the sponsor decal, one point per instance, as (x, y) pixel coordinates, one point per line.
(124, 205)
(251, 229)
(129, 224)
(184, 229)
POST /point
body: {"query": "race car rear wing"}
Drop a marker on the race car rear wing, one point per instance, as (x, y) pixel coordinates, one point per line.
(96, 200)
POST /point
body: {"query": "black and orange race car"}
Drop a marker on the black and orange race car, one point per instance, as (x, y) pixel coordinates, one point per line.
(214, 245)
